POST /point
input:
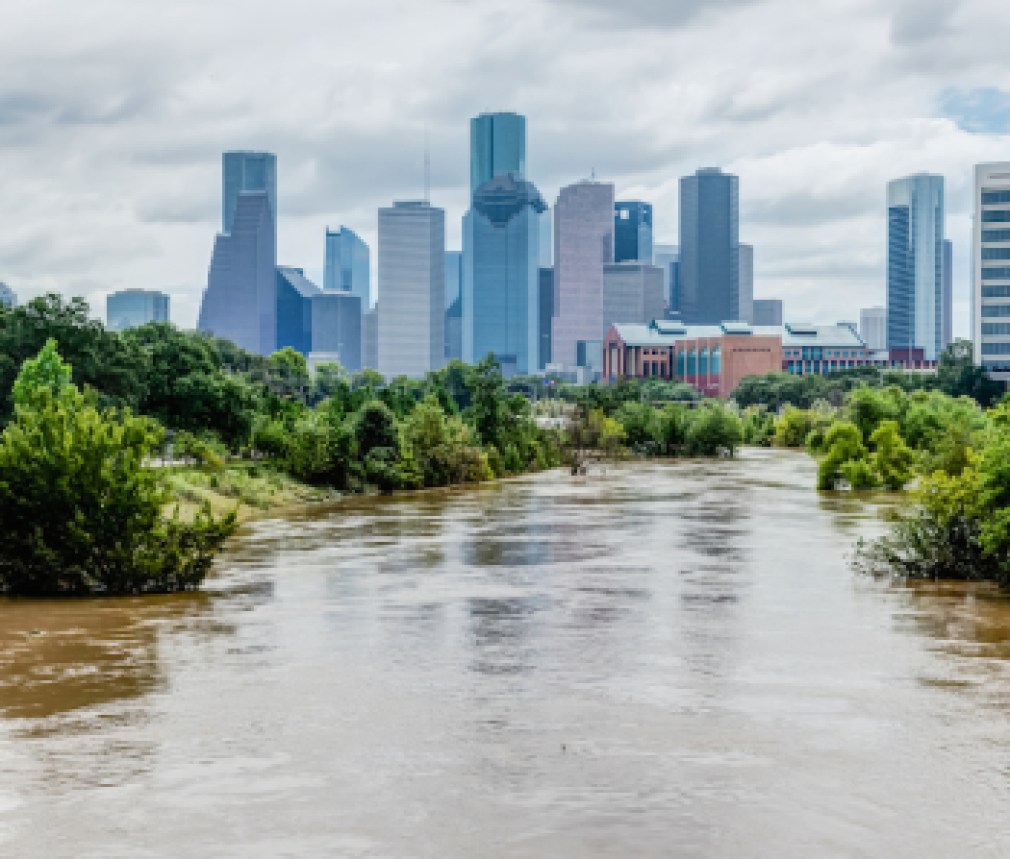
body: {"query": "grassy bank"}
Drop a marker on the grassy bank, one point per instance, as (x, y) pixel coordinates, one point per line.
(256, 489)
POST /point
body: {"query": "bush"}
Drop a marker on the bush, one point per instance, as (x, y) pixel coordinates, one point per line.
(79, 511)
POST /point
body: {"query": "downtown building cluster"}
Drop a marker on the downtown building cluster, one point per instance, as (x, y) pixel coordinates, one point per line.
(536, 286)
(552, 288)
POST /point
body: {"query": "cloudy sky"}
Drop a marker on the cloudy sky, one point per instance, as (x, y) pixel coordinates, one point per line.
(113, 115)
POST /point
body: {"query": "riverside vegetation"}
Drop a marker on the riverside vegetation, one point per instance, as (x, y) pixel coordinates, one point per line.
(950, 451)
(89, 412)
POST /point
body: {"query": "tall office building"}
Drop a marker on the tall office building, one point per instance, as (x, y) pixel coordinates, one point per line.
(915, 302)
(348, 264)
(767, 311)
(497, 146)
(370, 338)
(453, 305)
(667, 258)
(247, 171)
(336, 327)
(240, 301)
(948, 293)
(873, 327)
(583, 245)
(745, 300)
(633, 232)
(991, 269)
(8, 298)
(133, 307)
(632, 292)
(501, 255)
(294, 309)
(546, 282)
(411, 329)
(709, 246)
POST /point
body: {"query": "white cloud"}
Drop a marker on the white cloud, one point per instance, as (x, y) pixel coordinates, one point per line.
(113, 115)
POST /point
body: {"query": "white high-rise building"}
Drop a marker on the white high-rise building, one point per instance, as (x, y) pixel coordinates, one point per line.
(411, 324)
(8, 298)
(990, 306)
(873, 327)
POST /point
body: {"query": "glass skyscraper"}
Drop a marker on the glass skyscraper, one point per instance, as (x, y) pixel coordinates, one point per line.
(497, 146)
(915, 288)
(991, 269)
(8, 298)
(583, 245)
(745, 294)
(411, 318)
(240, 301)
(348, 264)
(633, 232)
(453, 305)
(501, 254)
(247, 171)
(133, 307)
(709, 247)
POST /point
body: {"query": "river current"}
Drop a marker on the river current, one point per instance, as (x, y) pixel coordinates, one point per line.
(662, 659)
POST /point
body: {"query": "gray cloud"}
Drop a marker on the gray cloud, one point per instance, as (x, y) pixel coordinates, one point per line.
(110, 136)
(650, 13)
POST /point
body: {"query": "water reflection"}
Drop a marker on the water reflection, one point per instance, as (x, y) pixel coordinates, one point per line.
(664, 659)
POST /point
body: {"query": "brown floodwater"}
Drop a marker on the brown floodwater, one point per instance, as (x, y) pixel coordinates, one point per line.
(665, 659)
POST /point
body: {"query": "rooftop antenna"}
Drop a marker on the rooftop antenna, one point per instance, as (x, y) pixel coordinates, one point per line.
(427, 167)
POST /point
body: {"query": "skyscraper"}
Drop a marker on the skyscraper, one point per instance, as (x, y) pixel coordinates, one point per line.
(453, 305)
(497, 146)
(948, 293)
(767, 311)
(501, 253)
(336, 327)
(347, 264)
(633, 232)
(247, 171)
(915, 301)
(132, 307)
(873, 327)
(546, 280)
(294, 309)
(8, 298)
(240, 301)
(991, 269)
(411, 331)
(745, 295)
(709, 246)
(667, 257)
(632, 292)
(583, 244)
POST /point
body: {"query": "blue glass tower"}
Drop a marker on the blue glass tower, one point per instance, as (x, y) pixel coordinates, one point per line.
(709, 247)
(453, 305)
(632, 232)
(247, 171)
(132, 307)
(501, 281)
(348, 264)
(240, 302)
(497, 146)
(915, 281)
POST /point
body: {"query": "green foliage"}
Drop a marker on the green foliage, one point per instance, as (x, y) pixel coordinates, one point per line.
(714, 430)
(80, 513)
(892, 459)
(47, 372)
(794, 425)
(758, 427)
(844, 445)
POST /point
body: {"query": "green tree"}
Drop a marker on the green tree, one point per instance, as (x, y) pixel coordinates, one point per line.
(79, 511)
(846, 458)
(714, 430)
(892, 459)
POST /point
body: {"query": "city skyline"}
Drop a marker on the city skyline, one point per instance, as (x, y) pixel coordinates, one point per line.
(138, 204)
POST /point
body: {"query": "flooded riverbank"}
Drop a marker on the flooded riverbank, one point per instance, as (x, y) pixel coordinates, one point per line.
(665, 659)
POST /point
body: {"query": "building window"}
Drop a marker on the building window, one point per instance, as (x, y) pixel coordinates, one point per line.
(703, 362)
(681, 364)
(692, 362)
(717, 361)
